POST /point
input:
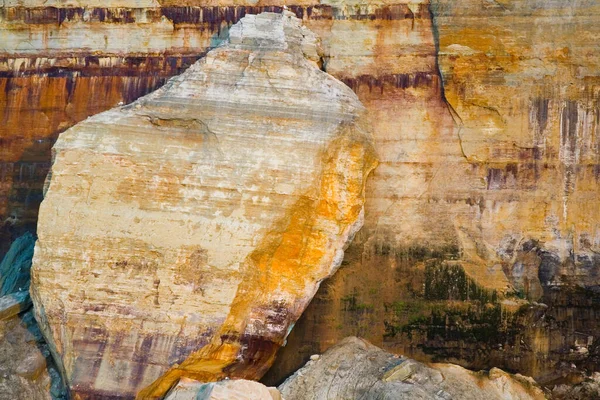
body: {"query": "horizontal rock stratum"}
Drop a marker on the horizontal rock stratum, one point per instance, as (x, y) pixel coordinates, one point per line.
(185, 233)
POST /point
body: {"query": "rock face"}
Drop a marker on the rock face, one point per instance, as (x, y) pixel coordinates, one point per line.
(480, 242)
(239, 389)
(184, 234)
(481, 231)
(589, 388)
(355, 369)
(529, 124)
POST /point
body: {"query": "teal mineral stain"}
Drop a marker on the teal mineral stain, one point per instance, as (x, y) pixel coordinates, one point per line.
(16, 265)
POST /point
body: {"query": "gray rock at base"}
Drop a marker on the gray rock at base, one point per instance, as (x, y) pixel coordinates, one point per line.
(237, 389)
(355, 369)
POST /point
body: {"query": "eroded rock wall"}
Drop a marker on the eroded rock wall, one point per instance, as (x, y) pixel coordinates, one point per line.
(481, 232)
(485, 122)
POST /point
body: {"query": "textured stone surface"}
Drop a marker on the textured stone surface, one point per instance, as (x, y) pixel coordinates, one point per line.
(239, 389)
(488, 198)
(485, 197)
(13, 304)
(355, 369)
(526, 101)
(192, 227)
(62, 61)
(587, 389)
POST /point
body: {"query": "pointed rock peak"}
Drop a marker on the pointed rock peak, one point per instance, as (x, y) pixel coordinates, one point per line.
(272, 31)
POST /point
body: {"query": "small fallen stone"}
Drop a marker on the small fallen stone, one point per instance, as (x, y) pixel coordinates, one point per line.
(13, 304)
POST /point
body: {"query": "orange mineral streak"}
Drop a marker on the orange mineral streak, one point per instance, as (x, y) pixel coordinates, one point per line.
(296, 253)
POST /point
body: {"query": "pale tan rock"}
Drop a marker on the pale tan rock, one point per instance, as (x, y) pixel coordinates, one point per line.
(355, 369)
(236, 389)
(191, 228)
(481, 186)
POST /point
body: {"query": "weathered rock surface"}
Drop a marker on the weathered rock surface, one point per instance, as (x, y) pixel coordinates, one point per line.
(526, 103)
(589, 388)
(481, 235)
(238, 389)
(62, 61)
(355, 369)
(183, 235)
(13, 304)
(452, 214)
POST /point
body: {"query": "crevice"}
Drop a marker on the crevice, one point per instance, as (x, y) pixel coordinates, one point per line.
(458, 121)
(189, 124)
(489, 108)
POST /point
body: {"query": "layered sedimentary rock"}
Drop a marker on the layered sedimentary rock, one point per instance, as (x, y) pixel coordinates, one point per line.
(355, 369)
(526, 101)
(51, 77)
(184, 234)
(62, 61)
(486, 125)
(480, 243)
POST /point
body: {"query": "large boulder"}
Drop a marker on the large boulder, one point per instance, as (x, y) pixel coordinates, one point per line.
(355, 369)
(184, 234)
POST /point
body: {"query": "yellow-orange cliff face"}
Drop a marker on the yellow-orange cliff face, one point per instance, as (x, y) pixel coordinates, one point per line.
(490, 199)
(484, 120)
(194, 225)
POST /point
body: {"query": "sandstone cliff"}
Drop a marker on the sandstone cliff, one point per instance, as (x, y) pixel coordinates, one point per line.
(481, 226)
(184, 234)
(480, 242)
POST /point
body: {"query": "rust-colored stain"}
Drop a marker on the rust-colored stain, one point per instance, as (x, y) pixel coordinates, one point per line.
(294, 255)
(34, 110)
